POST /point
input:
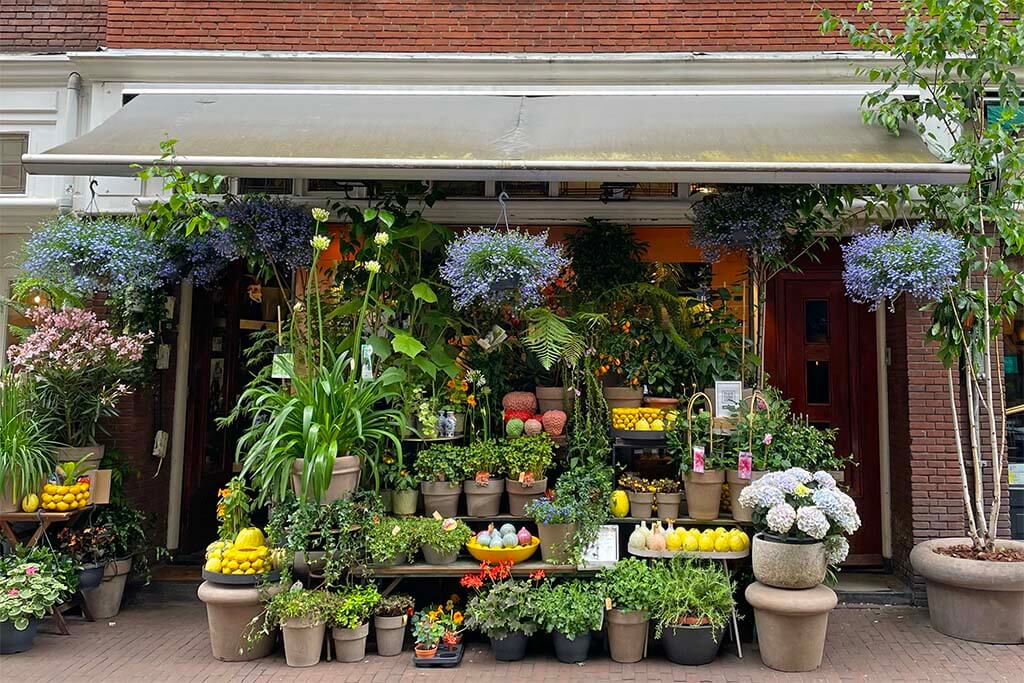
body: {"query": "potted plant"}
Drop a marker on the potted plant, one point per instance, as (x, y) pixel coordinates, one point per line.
(401, 482)
(802, 521)
(569, 611)
(641, 494)
(556, 527)
(691, 604)
(302, 616)
(390, 619)
(483, 485)
(90, 548)
(761, 423)
(628, 589)
(348, 616)
(440, 470)
(527, 458)
(504, 609)
(667, 498)
(703, 488)
(27, 593)
(427, 632)
(390, 540)
(128, 555)
(24, 441)
(82, 369)
(441, 540)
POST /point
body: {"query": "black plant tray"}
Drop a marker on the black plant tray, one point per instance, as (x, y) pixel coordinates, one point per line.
(444, 659)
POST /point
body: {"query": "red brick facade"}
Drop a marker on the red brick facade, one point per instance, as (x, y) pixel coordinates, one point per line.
(52, 25)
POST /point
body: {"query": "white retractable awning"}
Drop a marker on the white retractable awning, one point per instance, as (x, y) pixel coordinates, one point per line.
(743, 137)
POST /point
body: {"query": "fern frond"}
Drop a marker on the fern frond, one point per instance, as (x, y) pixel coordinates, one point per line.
(549, 338)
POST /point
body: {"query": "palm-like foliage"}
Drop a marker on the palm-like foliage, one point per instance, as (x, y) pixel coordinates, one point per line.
(25, 444)
(553, 339)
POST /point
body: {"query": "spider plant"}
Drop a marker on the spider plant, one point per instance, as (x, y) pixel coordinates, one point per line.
(24, 438)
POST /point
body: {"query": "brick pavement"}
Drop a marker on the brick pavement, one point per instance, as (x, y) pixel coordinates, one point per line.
(168, 642)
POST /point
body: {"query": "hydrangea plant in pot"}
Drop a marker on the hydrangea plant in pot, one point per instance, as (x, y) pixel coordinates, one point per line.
(527, 458)
(691, 604)
(26, 594)
(483, 485)
(504, 609)
(390, 619)
(628, 589)
(440, 469)
(348, 617)
(569, 611)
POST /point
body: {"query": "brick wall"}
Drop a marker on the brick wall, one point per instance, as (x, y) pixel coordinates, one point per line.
(52, 25)
(485, 26)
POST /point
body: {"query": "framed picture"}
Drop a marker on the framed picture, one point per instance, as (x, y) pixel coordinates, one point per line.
(604, 551)
(727, 398)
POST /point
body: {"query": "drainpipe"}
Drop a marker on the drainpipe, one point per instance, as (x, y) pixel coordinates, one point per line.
(884, 473)
(179, 414)
(66, 201)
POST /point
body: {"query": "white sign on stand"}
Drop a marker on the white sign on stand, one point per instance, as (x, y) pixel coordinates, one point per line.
(604, 551)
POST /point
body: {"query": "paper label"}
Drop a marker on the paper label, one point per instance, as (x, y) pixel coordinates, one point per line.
(607, 603)
(746, 464)
(395, 530)
(437, 515)
(698, 459)
(405, 619)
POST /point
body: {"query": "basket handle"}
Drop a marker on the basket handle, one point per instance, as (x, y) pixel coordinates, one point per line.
(711, 422)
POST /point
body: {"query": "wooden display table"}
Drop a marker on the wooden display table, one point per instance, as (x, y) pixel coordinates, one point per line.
(42, 519)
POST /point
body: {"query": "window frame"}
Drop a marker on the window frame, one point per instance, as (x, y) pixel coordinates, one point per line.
(24, 136)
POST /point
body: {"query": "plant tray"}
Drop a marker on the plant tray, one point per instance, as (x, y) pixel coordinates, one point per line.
(444, 659)
(645, 437)
(240, 579)
(695, 555)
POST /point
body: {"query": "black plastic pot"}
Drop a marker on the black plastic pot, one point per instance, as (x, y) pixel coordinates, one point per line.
(90, 576)
(692, 645)
(511, 648)
(12, 640)
(571, 651)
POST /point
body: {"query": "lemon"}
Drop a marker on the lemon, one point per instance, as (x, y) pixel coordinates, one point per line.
(706, 544)
(85, 485)
(50, 488)
(62, 506)
(722, 544)
(720, 530)
(691, 544)
(62, 490)
(232, 565)
(746, 540)
(250, 570)
(735, 543)
(47, 497)
(213, 565)
(244, 566)
(673, 542)
(68, 497)
(257, 565)
(73, 505)
(619, 504)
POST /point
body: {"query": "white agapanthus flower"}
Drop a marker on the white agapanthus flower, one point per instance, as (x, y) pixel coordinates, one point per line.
(812, 521)
(320, 215)
(372, 266)
(381, 239)
(320, 242)
(780, 518)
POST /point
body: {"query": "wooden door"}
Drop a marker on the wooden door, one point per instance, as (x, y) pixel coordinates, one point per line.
(820, 349)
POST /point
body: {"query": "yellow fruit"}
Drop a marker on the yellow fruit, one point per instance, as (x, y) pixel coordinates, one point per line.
(62, 506)
(736, 543)
(68, 497)
(722, 544)
(619, 504)
(746, 540)
(62, 490)
(213, 565)
(706, 544)
(673, 542)
(250, 570)
(691, 544)
(85, 485)
(720, 530)
(643, 425)
(244, 566)
(75, 488)
(658, 425)
(250, 537)
(257, 565)
(50, 488)
(232, 565)
(73, 505)
(30, 503)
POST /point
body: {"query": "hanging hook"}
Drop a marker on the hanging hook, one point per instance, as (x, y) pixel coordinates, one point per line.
(503, 214)
(92, 208)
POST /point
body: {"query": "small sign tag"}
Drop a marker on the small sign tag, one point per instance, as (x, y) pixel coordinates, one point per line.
(395, 530)
(746, 464)
(607, 603)
(405, 619)
(698, 459)
(437, 515)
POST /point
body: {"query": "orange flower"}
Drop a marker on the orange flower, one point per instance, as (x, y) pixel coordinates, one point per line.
(625, 326)
(457, 618)
(471, 401)
(451, 384)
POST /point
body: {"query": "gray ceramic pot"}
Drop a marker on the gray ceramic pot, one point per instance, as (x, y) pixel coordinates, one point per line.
(704, 494)
(740, 513)
(668, 505)
(441, 497)
(229, 611)
(640, 504)
(434, 557)
(627, 635)
(483, 499)
(554, 541)
(520, 494)
(405, 502)
(344, 478)
(90, 576)
(303, 641)
(390, 633)
(104, 601)
(350, 643)
(788, 564)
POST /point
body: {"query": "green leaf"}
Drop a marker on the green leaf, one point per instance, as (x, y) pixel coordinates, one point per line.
(426, 366)
(380, 346)
(424, 292)
(403, 343)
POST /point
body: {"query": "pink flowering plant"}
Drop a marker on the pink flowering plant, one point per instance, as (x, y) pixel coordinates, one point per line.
(796, 505)
(27, 592)
(82, 366)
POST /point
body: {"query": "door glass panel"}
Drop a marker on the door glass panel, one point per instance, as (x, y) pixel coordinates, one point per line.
(816, 321)
(818, 389)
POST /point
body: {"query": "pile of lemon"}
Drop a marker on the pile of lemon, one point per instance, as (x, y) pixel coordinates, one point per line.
(719, 540)
(247, 554)
(642, 419)
(63, 498)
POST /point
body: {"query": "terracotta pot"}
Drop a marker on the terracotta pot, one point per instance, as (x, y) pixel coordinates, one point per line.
(704, 494)
(483, 500)
(303, 641)
(972, 599)
(76, 453)
(788, 564)
(344, 478)
(661, 402)
(571, 651)
(390, 634)
(554, 398)
(692, 645)
(740, 513)
(791, 625)
(426, 652)
(105, 601)
(440, 496)
(623, 397)
(350, 643)
(229, 610)
(405, 502)
(434, 557)
(627, 635)
(554, 541)
(510, 648)
(520, 494)
(13, 641)
(668, 505)
(640, 504)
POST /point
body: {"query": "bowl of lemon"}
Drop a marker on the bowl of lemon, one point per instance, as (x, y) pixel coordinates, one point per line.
(242, 562)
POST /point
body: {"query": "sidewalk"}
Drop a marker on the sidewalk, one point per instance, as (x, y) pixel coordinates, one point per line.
(168, 642)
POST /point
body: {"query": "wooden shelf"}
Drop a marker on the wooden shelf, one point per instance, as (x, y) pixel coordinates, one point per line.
(685, 521)
(41, 515)
(463, 567)
(256, 324)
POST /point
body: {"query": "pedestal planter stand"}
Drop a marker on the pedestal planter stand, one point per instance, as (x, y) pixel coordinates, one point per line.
(791, 625)
(390, 633)
(627, 635)
(350, 643)
(104, 601)
(229, 610)
(972, 599)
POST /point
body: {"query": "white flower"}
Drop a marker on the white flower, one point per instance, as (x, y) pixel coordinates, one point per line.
(780, 518)
(812, 521)
(825, 480)
(320, 215)
(320, 242)
(372, 266)
(800, 474)
(836, 549)
(761, 495)
(381, 239)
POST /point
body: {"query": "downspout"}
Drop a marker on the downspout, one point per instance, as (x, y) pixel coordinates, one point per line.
(884, 473)
(179, 415)
(66, 200)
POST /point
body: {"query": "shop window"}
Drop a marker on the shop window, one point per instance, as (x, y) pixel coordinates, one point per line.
(12, 173)
(816, 321)
(522, 189)
(818, 389)
(460, 189)
(616, 191)
(264, 186)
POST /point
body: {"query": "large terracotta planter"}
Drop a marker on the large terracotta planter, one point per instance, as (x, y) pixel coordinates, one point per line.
(627, 635)
(404, 503)
(972, 599)
(344, 478)
(390, 633)
(440, 496)
(104, 602)
(483, 499)
(350, 643)
(554, 398)
(791, 625)
(229, 611)
(303, 641)
(92, 454)
(740, 513)
(668, 505)
(704, 494)
(520, 494)
(788, 564)
(623, 397)
(554, 542)
(640, 504)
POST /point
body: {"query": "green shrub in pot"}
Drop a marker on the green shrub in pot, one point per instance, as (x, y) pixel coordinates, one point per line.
(391, 539)
(629, 585)
(691, 591)
(528, 457)
(441, 462)
(446, 537)
(351, 608)
(569, 611)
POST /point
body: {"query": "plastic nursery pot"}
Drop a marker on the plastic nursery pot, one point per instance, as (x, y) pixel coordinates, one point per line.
(554, 541)
(90, 576)
(740, 513)
(229, 611)
(788, 564)
(434, 557)
(303, 641)
(13, 641)
(627, 635)
(571, 651)
(344, 478)
(692, 645)
(404, 503)
(441, 497)
(704, 494)
(483, 499)
(640, 504)
(668, 505)
(104, 601)
(519, 494)
(390, 633)
(350, 643)
(510, 648)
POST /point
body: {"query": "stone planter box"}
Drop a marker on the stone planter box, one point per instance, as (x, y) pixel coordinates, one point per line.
(788, 564)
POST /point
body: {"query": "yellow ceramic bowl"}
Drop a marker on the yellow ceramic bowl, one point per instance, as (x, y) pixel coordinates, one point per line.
(521, 553)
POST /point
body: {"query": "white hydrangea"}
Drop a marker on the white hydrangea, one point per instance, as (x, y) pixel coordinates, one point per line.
(836, 549)
(824, 479)
(761, 495)
(812, 521)
(780, 518)
(800, 474)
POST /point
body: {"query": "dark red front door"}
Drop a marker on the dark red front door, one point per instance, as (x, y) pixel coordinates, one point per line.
(820, 352)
